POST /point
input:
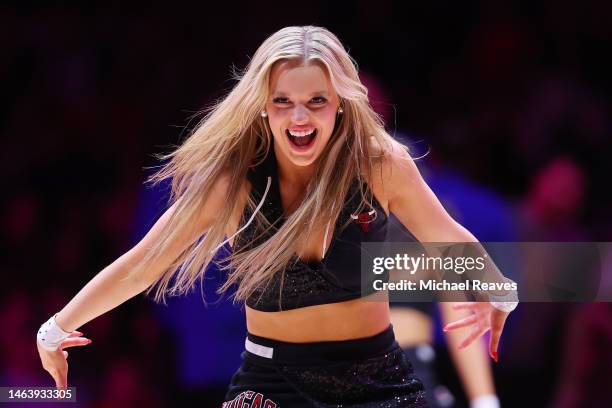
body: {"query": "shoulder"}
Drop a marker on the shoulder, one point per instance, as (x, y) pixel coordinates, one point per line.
(217, 197)
(221, 186)
(393, 169)
(225, 182)
(390, 155)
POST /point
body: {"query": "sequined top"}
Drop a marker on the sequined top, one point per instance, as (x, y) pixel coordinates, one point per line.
(337, 277)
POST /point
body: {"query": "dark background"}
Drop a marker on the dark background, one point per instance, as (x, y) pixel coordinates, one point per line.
(512, 98)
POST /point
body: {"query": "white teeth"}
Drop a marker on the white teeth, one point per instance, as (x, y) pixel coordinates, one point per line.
(298, 133)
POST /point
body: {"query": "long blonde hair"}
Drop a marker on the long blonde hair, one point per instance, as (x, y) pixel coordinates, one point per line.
(233, 136)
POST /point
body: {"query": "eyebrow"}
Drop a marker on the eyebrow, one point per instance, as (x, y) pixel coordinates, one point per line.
(281, 93)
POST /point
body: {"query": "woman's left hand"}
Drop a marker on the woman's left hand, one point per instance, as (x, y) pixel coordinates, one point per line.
(484, 317)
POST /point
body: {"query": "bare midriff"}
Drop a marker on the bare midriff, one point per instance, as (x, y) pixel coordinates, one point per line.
(352, 319)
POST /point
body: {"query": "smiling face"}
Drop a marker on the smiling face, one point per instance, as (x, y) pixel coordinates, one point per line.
(302, 106)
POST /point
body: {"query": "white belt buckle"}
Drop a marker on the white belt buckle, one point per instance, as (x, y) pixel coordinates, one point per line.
(258, 349)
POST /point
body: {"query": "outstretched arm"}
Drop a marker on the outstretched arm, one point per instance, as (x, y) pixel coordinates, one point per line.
(420, 211)
(108, 288)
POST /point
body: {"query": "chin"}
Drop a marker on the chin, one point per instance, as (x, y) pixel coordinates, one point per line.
(301, 160)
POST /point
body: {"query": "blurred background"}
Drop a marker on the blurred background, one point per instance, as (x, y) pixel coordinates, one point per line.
(511, 99)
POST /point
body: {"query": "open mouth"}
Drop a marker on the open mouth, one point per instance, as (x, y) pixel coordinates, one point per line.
(301, 140)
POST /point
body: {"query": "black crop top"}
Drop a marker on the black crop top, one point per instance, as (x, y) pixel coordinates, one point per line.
(337, 277)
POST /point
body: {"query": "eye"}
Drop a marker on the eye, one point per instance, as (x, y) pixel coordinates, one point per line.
(280, 100)
(318, 100)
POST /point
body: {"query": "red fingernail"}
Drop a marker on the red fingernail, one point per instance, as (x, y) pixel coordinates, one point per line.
(495, 356)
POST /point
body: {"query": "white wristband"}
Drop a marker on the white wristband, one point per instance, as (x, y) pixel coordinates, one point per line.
(505, 303)
(50, 335)
(485, 401)
(505, 306)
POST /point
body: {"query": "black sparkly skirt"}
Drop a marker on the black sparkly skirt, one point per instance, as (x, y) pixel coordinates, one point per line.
(365, 373)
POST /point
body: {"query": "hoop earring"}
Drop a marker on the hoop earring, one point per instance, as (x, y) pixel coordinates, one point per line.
(264, 114)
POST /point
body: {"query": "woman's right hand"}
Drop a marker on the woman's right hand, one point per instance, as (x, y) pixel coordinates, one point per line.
(55, 362)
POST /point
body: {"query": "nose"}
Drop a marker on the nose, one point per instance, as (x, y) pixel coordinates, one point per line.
(299, 115)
